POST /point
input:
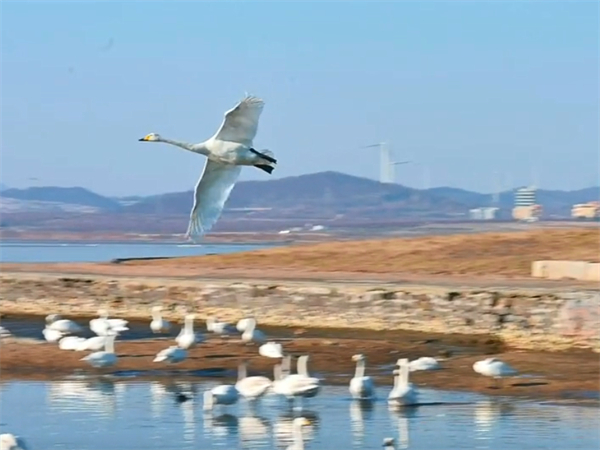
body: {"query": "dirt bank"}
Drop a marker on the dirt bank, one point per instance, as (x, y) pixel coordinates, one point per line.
(556, 376)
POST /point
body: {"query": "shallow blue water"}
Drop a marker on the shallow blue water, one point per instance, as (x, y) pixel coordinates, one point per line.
(73, 252)
(106, 415)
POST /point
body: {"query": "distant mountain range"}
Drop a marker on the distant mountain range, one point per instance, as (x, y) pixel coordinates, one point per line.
(323, 195)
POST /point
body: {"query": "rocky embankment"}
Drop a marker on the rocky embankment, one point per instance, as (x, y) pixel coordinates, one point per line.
(529, 319)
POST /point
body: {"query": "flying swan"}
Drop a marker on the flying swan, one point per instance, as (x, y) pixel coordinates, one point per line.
(227, 151)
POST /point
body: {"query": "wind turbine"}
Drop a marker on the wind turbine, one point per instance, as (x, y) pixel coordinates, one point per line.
(386, 165)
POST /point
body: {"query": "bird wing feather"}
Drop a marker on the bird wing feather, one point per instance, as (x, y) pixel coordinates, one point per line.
(241, 122)
(212, 191)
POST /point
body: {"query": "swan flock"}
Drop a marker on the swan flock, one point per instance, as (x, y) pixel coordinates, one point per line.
(230, 148)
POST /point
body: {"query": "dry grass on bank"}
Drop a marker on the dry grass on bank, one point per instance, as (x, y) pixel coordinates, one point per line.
(499, 254)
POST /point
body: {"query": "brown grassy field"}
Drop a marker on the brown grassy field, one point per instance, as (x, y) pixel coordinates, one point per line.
(508, 254)
(484, 256)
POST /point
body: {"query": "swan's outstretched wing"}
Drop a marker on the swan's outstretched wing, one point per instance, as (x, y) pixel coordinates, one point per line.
(241, 122)
(212, 191)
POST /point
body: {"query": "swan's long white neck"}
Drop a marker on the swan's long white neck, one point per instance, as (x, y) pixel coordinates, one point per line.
(286, 365)
(302, 365)
(251, 326)
(404, 374)
(109, 345)
(277, 372)
(189, 325)
(242, 372)
(298, 437)
(156, 315)
(196, 148)
(360, 369)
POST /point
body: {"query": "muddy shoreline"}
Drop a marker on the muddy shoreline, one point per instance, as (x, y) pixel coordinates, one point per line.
(558, 376)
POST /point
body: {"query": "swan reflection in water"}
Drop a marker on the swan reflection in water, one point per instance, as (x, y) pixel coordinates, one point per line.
(220, 426)
(161, 392)
(402, 418)
(360, 411)
(283, 427)
(97, 396)
(487, 413)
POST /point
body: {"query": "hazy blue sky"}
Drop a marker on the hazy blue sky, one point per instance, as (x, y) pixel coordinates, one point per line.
(466, 88)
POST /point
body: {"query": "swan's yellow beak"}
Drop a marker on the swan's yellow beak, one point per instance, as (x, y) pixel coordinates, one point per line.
(305, 421)
(148, 137)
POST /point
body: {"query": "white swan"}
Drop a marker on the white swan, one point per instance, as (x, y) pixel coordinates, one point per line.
(251, 334)
(225, 394)
(217, 327)
(65, 326)
(302, 369)
(271, 350)
(403, 392)
(227, 151)
(493, 367)
(297, 433)
(4, 333)
(94, 344)
(11, 442)
(187, 338)
(242, 324)
(70, 342)
(105, 358)
(103, 326)
(424, 363)
(361, 386)
(171, 355)
(52, 335)
(292, 386)
(251, 387)
(158, 324)
(389, 444)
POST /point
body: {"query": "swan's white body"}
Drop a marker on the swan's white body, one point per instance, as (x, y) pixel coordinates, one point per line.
(217, 327)
(494, 368)
(297, 433)
(225, 394)
(251, 334)
(171, 355)
(70, 342)
(424, 363)
(227, 151)
(105, 358)
(251, 387)
(65, 326)
(4, 333)
(52, 335)
(11, 442)
(295, 385)
(187, 337)
(103, 326)
(271, 350)
(158, 324)
(361, 386)
(93, 344)
(403, 392)
(242, 324)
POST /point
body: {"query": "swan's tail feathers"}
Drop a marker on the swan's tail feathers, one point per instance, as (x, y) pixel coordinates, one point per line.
(267, 155)
(195, 229)
(266, 168)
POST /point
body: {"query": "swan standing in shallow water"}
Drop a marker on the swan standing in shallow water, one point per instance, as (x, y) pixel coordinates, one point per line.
(251, 387)
(251, 334)
(105, 358)
(294, 385)
(271, 350)
(158, 324)
(403, 392)
(70, 342)
(361, 386)
(225, 394)
(492, 367)
(11, 442)
(227, 151)
(172, 355)
(214, 326)
(52, 335)
(187, 337)
(297, 433)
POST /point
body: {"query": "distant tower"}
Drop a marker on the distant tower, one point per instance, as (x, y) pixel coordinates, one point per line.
(385, 162)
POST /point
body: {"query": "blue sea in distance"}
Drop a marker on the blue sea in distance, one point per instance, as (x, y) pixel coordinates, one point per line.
(30, 252)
